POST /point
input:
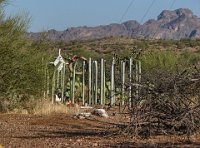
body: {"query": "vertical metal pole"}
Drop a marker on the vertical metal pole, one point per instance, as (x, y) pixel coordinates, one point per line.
(73, 83)
(45, 79)
(123, 80)
(63, 82)
(89, 79)
(92, 83)
(58, 80)
(140, 71)
(47, 82)
(83, 83)
(96, 82)
(138, 78)
(53, 86)
(130, 81)
(112, 87)
(114, 79)
(102, 82)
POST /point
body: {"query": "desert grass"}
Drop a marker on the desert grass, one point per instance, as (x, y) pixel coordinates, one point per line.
(45, 107)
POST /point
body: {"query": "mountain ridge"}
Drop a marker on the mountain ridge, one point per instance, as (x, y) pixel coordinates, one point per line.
(178, 24)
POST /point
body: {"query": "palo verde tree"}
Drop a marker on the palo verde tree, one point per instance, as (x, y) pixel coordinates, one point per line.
(20, 67)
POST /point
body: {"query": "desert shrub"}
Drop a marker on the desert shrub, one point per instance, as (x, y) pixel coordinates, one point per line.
(162, 60)
(170, 105)
(168, 101)
(22, 68)
(189, 58)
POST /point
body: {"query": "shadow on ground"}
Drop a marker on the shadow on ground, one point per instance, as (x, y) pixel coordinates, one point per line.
(128, 144)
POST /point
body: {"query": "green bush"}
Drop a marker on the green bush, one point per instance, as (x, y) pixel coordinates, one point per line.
(163, 60)
(21, 67)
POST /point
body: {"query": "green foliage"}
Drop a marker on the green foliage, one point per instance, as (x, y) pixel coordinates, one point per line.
(157, 65)
(21, 68)
(190, 58)
(165, 60)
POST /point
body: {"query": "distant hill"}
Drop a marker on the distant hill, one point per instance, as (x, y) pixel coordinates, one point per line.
(177, 24)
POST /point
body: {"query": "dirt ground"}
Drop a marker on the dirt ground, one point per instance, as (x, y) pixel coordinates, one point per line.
(61, 130)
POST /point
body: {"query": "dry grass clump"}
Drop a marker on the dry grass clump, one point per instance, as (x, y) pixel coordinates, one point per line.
(45, 107)
(39, 107)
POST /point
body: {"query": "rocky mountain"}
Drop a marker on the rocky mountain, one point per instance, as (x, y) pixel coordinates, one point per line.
(177, 24)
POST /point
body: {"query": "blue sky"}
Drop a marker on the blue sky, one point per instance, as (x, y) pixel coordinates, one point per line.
(61, 14)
